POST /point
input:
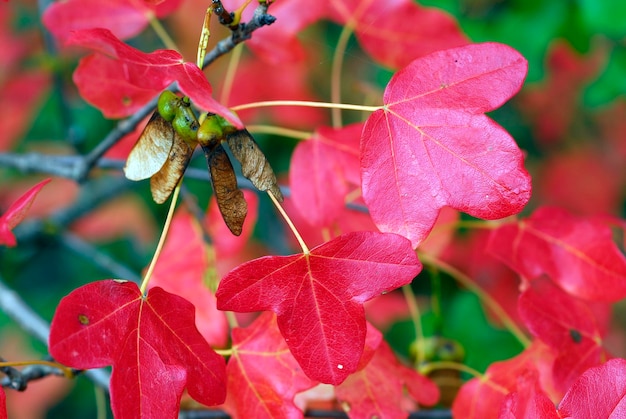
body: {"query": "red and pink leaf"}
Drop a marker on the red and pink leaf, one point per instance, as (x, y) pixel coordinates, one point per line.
(573, 327)
(318, 297)
(378, 389)
(17, 212)
(578, 253)
(124, 18)
(126, 77)
(252, 391)
(112, 323)
(599, 393)
(529, 401)
(398, 31)
(558, 318)
(431, 145)
(483, 397)
(324, 169)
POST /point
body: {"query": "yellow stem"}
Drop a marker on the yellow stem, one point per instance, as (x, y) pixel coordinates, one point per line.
(233, 63)
(67, 372)
(296, 233)
(224, 352)
(414, 310)
(335, 78)
(158, 28)
(306, 103)
(283, 132)
(159, 248)
(448, 365)
(101, 405)
(467, 282)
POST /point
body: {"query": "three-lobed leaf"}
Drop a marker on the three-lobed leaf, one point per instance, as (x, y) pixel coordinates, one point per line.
(431, 145)
(151, 342)
(578, 253)
(318, 296)
(120, 79)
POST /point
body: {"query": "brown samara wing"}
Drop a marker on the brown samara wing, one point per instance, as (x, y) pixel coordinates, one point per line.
(165, 180)
(254, 165)
(230, 199)
(151, 150)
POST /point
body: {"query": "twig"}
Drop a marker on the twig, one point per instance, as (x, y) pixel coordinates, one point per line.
(242, 33)
(97, 257)
(31, 323)
(18, 380)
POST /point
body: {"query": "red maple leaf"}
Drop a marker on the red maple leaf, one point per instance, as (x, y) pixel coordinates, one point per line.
(568, 325)
(318, 296)
(252, 392)
(119, 79)
(599, 393)
(16, 213)
(371, 393)
(578, 253)
(483, 397)
(528, 401)
(151, 342)
(431, 144)
(124, 18)
(182, 268)
(398, 31)
(324, 169)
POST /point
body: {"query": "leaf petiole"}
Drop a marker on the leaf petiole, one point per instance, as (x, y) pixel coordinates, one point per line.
(335, 78)
(162, 33)
(293, 228)
(283, 132)
(411, 302)
(306, 103)
(448, 365)
(159, 248)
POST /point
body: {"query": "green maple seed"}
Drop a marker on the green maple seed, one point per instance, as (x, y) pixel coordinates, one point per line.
(178, 111)
(167, 105)
(211, 131)
(254, 164)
